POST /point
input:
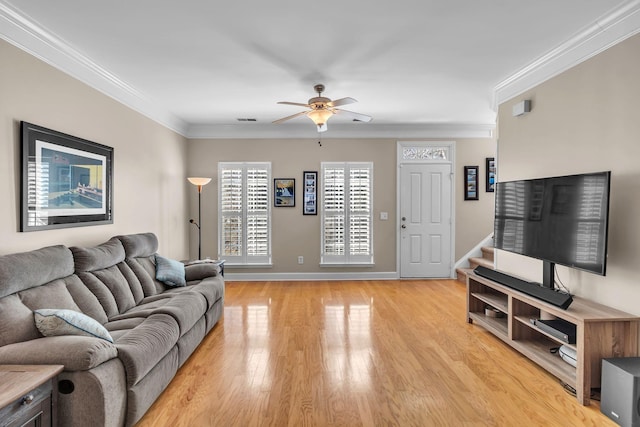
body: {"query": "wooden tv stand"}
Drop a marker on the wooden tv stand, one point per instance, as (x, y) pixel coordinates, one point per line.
(601, 331)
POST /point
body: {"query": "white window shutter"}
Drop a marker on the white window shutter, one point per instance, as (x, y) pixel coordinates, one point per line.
(347, 213)
(245, 213)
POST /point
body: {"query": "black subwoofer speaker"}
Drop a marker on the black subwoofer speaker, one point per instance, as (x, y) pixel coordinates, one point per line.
(620, 390)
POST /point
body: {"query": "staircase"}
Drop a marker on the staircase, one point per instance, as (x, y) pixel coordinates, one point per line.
(486, 261)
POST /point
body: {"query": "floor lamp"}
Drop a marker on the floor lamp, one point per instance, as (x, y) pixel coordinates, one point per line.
(199, 182)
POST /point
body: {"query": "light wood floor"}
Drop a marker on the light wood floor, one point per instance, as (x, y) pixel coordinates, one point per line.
(362, 353)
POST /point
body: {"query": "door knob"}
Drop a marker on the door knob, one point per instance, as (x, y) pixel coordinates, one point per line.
(403, 226)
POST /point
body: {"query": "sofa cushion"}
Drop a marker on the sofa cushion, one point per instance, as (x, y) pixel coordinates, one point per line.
(118, 285)
(103, 294)
(140, 251)
(185, 308)
(124, 324)
(141, 310)
(31, 269)
(76, 353)
(211, 288)
(139, 245)
(85, 299)
(51, 295)
(52, 322)
(98, 257)
(16, 311)
(16, 321)
(194, 272)
(145, 271)
(143, 347)
(170, 271)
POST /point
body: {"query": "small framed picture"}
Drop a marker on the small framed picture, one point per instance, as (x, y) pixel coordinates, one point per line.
(284, 194)
(310, 193)
(491, 174)
(471, 182)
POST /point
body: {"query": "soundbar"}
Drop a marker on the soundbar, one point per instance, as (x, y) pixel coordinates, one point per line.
(551, 296)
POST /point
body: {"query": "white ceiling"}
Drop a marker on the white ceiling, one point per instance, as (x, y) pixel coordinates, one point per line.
(424, 67)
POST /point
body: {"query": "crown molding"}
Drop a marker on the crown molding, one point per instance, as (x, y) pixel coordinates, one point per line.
(612, 28)
(342, 130)
(26, 34)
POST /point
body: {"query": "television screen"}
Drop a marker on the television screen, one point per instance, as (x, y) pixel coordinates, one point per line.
(562, 220)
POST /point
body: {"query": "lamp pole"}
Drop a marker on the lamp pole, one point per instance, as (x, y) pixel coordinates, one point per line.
(199, 182)
(199, 221)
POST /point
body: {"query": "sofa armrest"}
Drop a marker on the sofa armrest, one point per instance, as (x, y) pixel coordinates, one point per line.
(201, 271)
(76, 353)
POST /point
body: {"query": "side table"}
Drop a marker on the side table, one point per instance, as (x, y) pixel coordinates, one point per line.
(27, 395)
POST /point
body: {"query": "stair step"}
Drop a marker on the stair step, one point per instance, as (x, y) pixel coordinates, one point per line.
(474, 262)
(486, 260)
(487, 252)
(461, 274)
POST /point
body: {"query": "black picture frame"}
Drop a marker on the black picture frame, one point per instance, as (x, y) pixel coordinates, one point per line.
(491, 174)
(284, 192)
(310, 193)
(66, 181)
(471, 183)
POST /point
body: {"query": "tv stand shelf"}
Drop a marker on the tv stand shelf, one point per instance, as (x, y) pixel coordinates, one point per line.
(601, 331)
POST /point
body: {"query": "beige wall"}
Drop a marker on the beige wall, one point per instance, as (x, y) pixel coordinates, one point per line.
(295, 234)
(474, 218)
(149, 165)
(585, 119)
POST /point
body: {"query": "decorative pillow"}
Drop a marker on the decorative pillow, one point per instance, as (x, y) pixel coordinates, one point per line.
(53, 322)
(170, 272)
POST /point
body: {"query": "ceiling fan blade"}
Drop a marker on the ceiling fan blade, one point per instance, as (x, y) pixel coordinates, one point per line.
(284, 119)
(355, 116)
(341, 101)
(294, 103)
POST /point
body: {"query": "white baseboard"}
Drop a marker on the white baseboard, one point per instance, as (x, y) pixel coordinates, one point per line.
(254, 277)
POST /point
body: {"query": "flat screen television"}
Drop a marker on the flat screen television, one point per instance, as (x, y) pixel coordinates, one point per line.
(559, 220)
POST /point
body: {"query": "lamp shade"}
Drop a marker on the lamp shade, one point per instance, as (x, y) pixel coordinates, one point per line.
(199, 181)
(320, 118)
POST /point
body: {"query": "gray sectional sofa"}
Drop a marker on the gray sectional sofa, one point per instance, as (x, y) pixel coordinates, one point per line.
(153, 327)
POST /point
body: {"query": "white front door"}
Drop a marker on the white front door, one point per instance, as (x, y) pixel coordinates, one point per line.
(425, 220)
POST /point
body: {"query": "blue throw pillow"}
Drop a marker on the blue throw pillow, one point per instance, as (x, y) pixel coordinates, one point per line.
(170, 272)
(53, 322)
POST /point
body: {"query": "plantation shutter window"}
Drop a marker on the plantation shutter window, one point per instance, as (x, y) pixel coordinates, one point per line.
(245, 213)
(347, 213)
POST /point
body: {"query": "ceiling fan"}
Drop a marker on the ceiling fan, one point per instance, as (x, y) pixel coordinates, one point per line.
(321, 109)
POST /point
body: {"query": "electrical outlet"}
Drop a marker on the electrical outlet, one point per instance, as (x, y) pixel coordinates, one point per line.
(300, 260)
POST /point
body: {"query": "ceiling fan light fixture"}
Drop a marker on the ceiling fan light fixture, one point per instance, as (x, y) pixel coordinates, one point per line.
(320, 117)
(322, 108)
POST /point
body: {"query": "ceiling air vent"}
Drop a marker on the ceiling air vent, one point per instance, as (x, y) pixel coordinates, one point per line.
(247, 119)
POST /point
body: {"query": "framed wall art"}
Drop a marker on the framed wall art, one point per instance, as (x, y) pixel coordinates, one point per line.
(471, 182)
(491, 174)
(66, 181)
(310, 195)
(284, 192)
